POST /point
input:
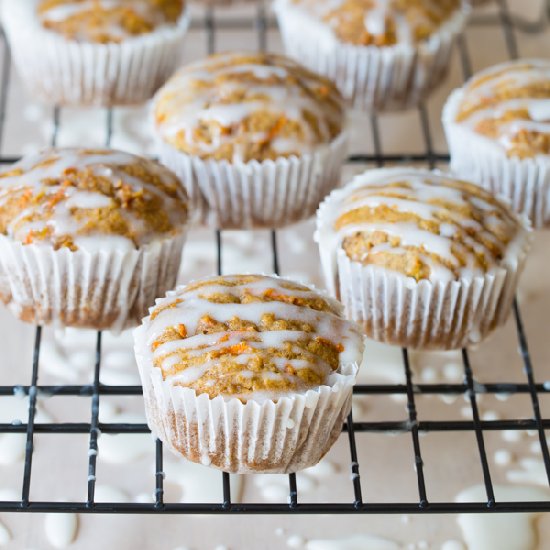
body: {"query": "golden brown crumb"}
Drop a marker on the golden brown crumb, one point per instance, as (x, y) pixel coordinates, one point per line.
(226, 109)
(348, 19)
(478, 236)
(290, 366)
(111, 23)
(118, 194)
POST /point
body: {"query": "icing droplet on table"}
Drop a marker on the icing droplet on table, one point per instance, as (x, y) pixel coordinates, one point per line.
(453, 545)
(5, 535)
(61, 529)
(499, 531)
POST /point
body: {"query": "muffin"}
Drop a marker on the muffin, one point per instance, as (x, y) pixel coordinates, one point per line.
(498, 129)
(383, 56)
(88, 238)
(103, 53)
(421, 259)
(257, 139)
(248, 373)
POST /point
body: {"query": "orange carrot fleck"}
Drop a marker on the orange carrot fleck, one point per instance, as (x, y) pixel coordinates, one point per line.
(237, 349)
(182, 330)
(224, 338)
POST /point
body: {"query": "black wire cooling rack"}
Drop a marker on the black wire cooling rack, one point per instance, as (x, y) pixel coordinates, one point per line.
(412, 425)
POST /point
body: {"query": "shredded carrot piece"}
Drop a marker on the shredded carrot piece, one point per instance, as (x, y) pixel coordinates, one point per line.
(56, 198)
(275, 129)
(339, 347)
(289, 369)
(270, 293)
(323, 90)
(224, 338)
(237, 349)
(182, 330)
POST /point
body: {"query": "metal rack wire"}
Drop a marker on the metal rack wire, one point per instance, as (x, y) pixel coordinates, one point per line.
(412, 425)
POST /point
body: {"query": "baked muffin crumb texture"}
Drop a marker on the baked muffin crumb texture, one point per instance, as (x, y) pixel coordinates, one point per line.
(73, 198)
(424, 225)
(510, 105)
(243, 107)
(381, 22)
(107, 21)
(249, 336)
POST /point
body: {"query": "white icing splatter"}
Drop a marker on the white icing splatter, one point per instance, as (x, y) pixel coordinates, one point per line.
(512, 436)
(354, 542)
(295, 542)
(490, 415)
(5, 535)
(61, 529)
(503, 457)
(199, 483)
(499, 531)
(531, 471)
(124, 448)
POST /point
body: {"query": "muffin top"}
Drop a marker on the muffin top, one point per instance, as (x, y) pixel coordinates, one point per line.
(107, 21)
(422, 224)
(93, 199)
(250, 336)
(510, 105)
(241, 107)
(379, 22)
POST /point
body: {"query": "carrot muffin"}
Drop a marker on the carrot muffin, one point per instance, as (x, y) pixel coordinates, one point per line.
(257, 139)
(421, 259)
(248, 373)
(88, 238)
(95, 52)
(498, 128)
(383, 54)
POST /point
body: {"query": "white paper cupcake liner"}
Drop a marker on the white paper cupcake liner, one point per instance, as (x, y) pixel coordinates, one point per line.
(64, 72)
(396, 309)
(370, 77)
(257, 194)
(445, 315)
(524, 183)
(285, 436)
(107, 289)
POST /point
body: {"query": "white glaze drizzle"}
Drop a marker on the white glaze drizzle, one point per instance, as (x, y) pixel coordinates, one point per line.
(194, 305)
(511, 76)
(407, 19)
(268, 89)
(111, 27)
(61, 221)
(420, 186)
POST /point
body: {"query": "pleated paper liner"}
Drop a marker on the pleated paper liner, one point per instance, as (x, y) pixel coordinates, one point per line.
(64, 72)
(104, 289)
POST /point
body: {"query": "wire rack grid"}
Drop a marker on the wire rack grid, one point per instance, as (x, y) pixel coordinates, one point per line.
(470, 388)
